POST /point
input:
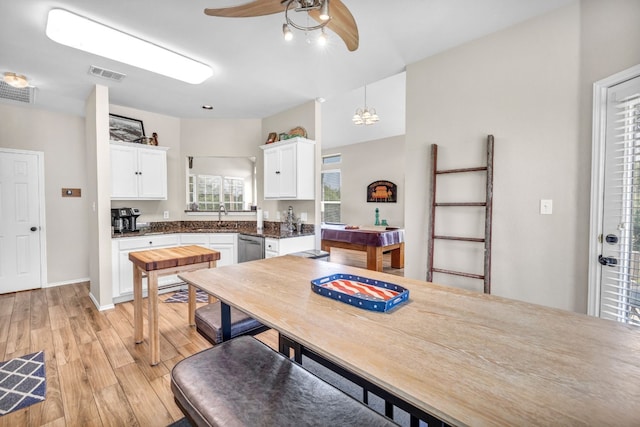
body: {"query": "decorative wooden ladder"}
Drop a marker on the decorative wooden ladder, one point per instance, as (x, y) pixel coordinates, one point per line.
(486, 277)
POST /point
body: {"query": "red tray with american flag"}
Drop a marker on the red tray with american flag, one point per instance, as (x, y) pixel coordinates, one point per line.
(361, 292)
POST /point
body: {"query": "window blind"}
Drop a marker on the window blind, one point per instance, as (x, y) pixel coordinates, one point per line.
(620, 290)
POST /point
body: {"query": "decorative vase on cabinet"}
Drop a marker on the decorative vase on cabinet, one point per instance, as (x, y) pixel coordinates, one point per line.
(289, 169)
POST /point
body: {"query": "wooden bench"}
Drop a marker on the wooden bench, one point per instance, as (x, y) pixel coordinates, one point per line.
(243, 382)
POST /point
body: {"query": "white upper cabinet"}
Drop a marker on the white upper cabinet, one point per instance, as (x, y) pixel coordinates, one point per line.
(138, 172)
(289, 169)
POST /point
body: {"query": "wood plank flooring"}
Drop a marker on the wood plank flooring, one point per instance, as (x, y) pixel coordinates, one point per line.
(96, 375)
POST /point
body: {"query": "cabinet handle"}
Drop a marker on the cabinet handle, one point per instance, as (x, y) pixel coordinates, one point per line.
(277, 172)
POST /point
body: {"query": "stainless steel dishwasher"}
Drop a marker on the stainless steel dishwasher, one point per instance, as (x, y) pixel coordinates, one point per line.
(250, 247)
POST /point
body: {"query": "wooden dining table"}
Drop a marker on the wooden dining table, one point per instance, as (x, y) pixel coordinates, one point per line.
(154, 263)
(466, 358)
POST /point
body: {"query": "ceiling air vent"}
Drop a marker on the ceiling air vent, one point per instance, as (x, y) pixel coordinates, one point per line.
(106, 74)
(26, 94)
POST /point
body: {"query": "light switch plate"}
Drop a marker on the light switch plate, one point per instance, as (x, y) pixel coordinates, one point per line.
(71, 192)
(546, 206)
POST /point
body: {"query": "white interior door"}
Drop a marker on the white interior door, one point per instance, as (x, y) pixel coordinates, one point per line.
(20, 221)
(615, 294)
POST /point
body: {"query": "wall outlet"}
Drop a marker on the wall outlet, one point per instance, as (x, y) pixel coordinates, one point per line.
(265, 214)
(303, 216)
(165, 215)
(278, 216)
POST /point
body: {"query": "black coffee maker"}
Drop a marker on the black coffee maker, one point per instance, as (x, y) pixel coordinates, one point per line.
(123, 220)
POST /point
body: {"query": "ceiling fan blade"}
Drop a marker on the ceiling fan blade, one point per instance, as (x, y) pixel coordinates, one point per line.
(254, 8)
(342, 23)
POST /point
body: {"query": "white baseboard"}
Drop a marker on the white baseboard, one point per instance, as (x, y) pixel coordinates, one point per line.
(98, 306)
(66, 282)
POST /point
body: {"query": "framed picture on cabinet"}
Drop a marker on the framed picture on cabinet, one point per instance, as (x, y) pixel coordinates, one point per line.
(124, 128)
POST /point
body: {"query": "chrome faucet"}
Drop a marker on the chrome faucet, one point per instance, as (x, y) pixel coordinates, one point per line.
(220, 211)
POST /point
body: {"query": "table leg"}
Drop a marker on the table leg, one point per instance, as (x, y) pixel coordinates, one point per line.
(137, 305)
(212, 299)
(192, 305)
(397, 257)
(374, 258)
(225, 320)
(154, 331)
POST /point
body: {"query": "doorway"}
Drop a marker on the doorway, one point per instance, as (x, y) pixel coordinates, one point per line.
(614, 266)
(22, 242)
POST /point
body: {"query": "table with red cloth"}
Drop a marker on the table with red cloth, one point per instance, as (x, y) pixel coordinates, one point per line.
(373, 240)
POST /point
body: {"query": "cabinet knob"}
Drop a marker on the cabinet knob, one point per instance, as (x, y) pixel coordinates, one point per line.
(150, 242)
(277, 172)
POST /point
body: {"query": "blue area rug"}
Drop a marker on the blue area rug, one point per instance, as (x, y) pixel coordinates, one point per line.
(183, 296)
(22, 382)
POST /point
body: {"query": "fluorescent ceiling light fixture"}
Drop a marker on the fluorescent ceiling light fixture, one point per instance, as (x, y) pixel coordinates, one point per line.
(81, 33)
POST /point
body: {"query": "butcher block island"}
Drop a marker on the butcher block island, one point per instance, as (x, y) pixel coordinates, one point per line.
(159, 262)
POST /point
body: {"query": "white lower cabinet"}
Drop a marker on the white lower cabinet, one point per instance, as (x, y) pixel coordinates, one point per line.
(277, 247)
(122, 268)
(225, 243)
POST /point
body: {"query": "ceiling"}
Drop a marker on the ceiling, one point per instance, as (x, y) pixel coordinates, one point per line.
(256, 72)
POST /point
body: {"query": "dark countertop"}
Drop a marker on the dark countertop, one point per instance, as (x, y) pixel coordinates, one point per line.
(271, 230)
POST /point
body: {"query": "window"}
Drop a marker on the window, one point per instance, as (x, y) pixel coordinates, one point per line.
(330, 202)
(210, 191)
(332, 158)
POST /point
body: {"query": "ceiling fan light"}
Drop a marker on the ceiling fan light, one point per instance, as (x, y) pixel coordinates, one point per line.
(324, 11)
(16, 80)
(322, 38)
(286, 31)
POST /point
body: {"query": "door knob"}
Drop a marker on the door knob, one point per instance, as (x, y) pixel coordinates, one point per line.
(612, 239)
(34, 228)
(607, 260)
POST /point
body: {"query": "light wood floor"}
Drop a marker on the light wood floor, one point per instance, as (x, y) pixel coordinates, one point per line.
(96, 375)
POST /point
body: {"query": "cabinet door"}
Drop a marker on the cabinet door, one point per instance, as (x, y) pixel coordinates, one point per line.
(152, 174)
(227, 253)
(124, 168)
(288, 171)
(271, 173)
(226, 244)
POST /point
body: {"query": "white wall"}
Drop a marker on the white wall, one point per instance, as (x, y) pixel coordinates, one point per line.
(305, 116)
(362, 164)
(168, 130)
(61, 138)
(219, 137)
(530, 86)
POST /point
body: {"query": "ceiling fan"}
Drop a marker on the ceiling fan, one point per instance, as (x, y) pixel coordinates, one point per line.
(330, 13)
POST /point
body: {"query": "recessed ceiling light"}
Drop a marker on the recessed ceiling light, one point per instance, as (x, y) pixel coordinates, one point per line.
(207, 107)
(81, 33)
